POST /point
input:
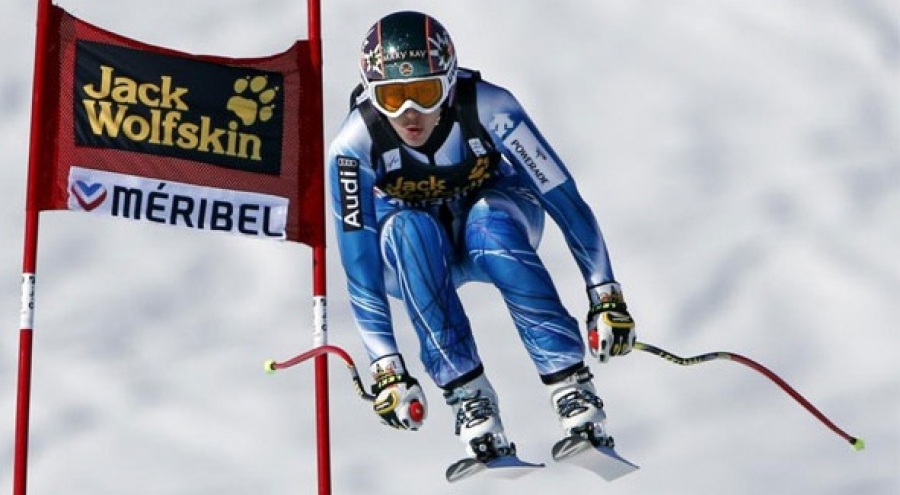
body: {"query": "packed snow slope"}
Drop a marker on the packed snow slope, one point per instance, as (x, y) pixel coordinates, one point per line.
(743, 159)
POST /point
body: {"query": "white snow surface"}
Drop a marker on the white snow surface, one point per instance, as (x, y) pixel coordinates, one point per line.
(743, 159)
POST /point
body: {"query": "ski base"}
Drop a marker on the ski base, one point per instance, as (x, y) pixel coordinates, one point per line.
(602, 459)
(507, 467)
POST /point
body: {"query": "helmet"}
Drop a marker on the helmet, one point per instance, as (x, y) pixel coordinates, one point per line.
(408, 47)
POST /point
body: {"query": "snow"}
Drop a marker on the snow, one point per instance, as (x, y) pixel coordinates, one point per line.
(744, 161)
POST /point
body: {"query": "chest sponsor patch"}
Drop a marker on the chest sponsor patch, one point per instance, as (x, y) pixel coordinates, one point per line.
(392, 160)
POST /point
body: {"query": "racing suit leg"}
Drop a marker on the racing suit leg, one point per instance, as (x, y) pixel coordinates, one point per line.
(501, 234)
(417, 252)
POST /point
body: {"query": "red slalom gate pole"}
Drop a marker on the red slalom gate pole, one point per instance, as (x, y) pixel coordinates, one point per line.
(29, 256)
(320, 323)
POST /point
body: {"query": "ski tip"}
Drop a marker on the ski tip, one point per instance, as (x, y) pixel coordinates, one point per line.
(858, 444)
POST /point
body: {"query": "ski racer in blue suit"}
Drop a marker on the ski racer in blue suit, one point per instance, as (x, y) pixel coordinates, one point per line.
(439, 178)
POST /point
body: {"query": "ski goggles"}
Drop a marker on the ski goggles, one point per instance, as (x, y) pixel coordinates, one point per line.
(425, 94)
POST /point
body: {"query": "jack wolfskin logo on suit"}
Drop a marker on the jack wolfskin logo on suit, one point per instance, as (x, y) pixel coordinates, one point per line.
(164, 105)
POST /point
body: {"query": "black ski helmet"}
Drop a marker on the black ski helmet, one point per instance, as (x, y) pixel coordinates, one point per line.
(407, 45)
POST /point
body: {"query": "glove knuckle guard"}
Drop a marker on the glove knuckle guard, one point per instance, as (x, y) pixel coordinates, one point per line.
(610, 326)
(399, 400)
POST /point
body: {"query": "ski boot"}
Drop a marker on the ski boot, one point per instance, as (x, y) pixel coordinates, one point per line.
(579, 408)
(478, 423)
(586, 444)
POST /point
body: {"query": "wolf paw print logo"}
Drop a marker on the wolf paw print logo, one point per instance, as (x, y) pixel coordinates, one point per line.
(252, 100)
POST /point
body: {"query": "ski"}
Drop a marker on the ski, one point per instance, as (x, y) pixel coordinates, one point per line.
(506, 466)
(601, 459)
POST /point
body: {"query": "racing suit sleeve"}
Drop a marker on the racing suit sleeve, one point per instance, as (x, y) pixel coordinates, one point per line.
(530, 155)
(351, 180)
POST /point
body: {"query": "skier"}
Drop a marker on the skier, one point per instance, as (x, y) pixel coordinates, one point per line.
(439, 178)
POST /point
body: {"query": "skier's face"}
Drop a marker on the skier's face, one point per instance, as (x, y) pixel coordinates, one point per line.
(415, 127)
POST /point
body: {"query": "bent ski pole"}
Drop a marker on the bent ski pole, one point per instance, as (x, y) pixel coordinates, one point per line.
(271, 366)
(857, 443)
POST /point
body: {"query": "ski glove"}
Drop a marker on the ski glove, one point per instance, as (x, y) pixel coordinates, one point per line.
(610, 327)
(399, 400)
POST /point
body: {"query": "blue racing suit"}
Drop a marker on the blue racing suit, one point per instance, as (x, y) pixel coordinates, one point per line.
(468, 205)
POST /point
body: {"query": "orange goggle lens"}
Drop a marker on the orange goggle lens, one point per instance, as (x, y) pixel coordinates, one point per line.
(427, 93)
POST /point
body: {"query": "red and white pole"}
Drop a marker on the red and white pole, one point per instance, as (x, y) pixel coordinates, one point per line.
(29, 257)
(320, 323)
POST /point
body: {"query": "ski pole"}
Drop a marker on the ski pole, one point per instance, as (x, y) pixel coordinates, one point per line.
(857, 443)
(271, 366)
(416, 408)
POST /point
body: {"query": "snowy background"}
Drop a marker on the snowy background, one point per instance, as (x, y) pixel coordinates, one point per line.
(744, 161)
